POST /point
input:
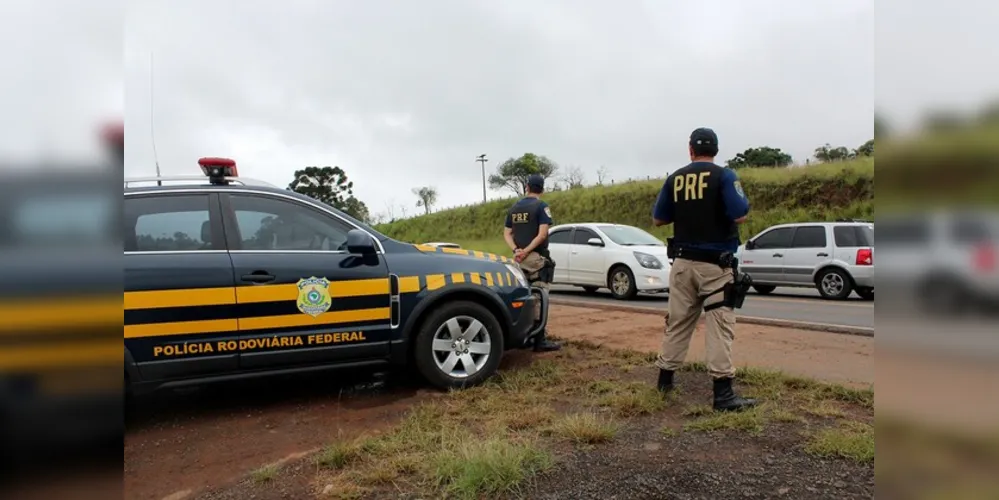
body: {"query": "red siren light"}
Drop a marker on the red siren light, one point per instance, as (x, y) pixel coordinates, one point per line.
(217, 169)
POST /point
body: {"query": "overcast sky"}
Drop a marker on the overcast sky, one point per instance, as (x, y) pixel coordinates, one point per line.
(404, 93)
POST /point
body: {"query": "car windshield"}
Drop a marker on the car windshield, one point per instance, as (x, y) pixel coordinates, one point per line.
(629, 236)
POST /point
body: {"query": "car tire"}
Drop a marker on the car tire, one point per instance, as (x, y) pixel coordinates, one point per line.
(621, 282)
(834, 284)
(444, 366)
(764, 289)
(865, 292)
(590, 289)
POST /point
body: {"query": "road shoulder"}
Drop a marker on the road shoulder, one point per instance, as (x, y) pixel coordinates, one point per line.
(841, 359)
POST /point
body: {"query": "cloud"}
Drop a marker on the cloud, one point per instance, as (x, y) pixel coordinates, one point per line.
(404, 94)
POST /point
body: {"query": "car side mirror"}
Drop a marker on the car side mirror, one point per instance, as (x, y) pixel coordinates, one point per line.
(360, 242)
(595, 242)
(750, 245)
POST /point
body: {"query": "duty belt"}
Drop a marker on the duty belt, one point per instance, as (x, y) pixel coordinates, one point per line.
(723, 259)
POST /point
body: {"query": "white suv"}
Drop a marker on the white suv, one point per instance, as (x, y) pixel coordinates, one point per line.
(837, 258)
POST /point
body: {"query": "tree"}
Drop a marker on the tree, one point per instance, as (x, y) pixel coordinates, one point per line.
(865, 149)
(427, 197)
(573, 178)
(357, 209)
(326, 184)
(513, 173)
(827, 153)
(601, 174)
(765, 156)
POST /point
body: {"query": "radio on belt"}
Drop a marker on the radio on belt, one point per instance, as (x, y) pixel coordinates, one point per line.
(217, 169)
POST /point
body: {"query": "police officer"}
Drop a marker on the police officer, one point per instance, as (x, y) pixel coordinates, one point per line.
(526, 234)
(705, 203)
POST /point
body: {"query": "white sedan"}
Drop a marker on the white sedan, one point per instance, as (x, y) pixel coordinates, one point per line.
(625, 259)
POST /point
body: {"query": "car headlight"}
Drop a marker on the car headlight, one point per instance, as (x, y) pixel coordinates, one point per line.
(521, 279)
(648, 261)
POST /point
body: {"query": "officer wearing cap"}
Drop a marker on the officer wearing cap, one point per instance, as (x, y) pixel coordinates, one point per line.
(705, 203)
(526, 234)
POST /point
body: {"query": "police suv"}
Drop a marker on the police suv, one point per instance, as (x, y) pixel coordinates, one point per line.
(235, 278)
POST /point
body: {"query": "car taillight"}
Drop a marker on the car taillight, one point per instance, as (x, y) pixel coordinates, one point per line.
(865, 257)
(985, 258)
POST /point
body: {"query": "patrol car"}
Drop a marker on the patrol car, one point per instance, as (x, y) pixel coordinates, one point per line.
(235, 278)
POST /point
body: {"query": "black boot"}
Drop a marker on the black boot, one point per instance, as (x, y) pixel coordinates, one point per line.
(542, 344)
(665, 381)
(726, 398)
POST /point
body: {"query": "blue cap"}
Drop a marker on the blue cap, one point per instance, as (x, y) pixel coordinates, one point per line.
(535, 180)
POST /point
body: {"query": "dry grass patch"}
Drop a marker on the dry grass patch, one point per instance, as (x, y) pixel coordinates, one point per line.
(633, 398)
(752, 421)
(854, 442)
(475, 468)
(265, 474)
(586, 428)
(826, 408)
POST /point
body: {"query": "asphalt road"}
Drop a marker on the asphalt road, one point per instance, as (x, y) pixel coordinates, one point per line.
(784, 303)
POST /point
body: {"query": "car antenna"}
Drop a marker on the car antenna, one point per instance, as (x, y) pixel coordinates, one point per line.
(152, 130)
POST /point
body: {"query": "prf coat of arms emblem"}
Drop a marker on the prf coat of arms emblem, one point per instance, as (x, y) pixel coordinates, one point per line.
(314, 296)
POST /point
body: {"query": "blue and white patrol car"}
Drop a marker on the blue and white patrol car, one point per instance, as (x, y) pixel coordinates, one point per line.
(229, 278)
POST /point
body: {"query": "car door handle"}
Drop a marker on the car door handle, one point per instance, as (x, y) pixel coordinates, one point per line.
(821, 254)
(778, 255)
(258, 277)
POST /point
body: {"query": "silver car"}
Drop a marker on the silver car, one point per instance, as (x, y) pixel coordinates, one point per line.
(837, 258)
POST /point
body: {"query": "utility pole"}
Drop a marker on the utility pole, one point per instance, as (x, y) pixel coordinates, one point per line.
(482, 159)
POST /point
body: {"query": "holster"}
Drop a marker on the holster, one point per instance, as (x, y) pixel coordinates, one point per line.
(547, 273)
(735, 291)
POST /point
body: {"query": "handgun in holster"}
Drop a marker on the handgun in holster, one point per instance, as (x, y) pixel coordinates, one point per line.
(734, 291)
(547, 273)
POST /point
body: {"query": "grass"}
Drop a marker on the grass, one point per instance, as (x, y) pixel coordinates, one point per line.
(751, 421)
(818, 192)
(493, 440)
(633, 399)
(855, 442)
(265, 474)
(586, 428)
(490, 467)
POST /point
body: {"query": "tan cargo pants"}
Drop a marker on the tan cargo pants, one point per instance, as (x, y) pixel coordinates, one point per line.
(688, 281)
(532, 265)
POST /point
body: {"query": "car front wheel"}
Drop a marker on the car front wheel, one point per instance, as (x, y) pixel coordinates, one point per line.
(622, 283)
(459, 345)
(764, 289)
(834, 284)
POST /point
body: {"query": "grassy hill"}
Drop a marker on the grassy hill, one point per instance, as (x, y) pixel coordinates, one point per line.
(820, 192)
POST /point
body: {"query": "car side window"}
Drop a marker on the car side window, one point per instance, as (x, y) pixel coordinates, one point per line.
(266, 223)
(167, 223)
(809, 237)
(845, 236)
(582, 236)
(776, 238)
(563, 236)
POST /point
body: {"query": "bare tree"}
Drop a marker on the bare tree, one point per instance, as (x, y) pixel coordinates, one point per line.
(427, 197)
(601, 174)
(573, 177)
(390, 210)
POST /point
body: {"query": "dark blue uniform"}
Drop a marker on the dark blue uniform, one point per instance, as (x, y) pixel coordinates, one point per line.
(703, 201)
(524, 221)
(712, 228)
